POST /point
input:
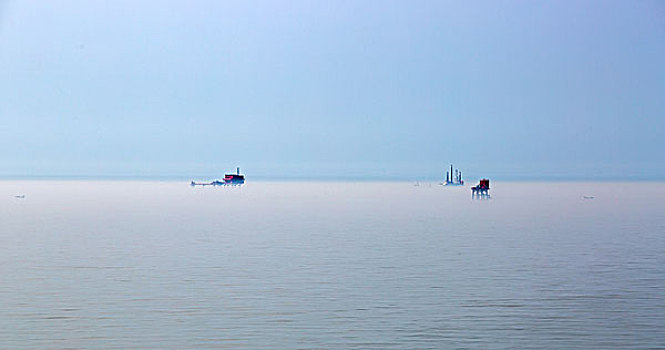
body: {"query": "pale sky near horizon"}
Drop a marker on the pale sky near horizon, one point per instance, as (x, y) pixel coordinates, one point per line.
(507, 89)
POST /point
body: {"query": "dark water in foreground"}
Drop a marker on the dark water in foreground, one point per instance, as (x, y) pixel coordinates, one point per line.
(139, 265)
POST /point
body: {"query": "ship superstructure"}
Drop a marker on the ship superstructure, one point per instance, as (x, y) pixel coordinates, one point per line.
(234, 179)
(481, 190)
(229, 180)
(454, 178)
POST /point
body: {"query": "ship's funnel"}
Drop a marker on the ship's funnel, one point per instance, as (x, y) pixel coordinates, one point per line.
(238, 171)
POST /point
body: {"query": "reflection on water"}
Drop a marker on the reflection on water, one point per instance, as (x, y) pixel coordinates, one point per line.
(118, 265)
(482, 196)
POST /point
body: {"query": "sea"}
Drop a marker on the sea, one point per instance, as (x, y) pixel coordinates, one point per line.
(331, 265)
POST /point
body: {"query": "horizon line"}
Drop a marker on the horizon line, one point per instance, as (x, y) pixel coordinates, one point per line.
(330, 178)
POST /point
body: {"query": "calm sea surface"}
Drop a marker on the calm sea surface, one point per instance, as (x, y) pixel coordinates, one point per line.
(313, 265)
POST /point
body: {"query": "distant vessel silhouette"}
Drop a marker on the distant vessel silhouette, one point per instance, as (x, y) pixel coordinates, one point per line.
(481, 190)
(228, 180)
(454, 179)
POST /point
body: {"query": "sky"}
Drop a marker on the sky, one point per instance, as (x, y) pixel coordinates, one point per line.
(333, 89)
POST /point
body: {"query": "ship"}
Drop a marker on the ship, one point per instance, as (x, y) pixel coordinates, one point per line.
(481, 190)
(454, 179)
(229, 180)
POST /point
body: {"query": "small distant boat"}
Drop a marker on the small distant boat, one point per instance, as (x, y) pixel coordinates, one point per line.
(20, 196)
(589, 197)
(229, 180)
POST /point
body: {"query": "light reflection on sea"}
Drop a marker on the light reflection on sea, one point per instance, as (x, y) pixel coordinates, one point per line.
(325, 265)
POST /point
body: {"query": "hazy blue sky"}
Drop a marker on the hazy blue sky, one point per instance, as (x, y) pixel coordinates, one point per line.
(521, 89)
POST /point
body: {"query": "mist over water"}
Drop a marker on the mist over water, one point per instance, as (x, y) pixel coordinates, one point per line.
(325, 265)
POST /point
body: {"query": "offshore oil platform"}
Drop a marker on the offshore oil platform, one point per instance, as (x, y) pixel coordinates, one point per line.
(228, 180)
(453, 179)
